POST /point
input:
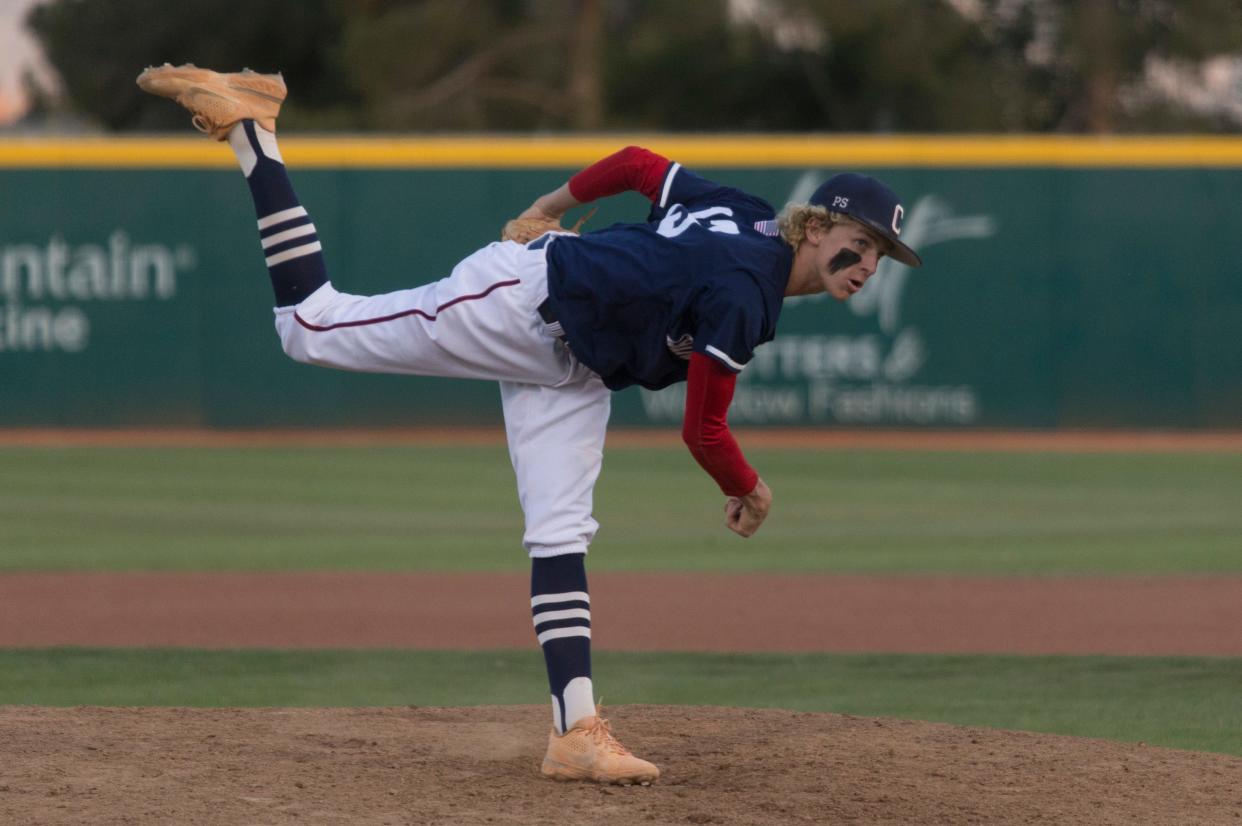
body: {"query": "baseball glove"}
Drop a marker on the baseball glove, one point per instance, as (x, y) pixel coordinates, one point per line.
(525, 230)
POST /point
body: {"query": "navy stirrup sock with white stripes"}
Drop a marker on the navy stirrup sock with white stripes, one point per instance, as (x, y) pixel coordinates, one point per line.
(561, 609)
(290, 244)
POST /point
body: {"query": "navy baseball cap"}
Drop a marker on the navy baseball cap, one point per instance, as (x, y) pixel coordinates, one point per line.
(871, 204)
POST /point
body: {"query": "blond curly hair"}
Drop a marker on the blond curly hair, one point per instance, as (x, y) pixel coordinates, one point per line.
(794, 219)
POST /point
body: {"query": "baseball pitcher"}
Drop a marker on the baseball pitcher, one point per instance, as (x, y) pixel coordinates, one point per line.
(561, 320)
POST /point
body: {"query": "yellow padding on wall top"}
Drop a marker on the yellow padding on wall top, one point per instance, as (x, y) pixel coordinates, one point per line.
(736, 151)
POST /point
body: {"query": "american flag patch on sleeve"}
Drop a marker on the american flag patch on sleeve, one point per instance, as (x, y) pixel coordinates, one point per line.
(768, 228)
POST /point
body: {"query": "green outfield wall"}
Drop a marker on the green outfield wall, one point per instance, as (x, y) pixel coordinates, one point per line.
(1067, 283)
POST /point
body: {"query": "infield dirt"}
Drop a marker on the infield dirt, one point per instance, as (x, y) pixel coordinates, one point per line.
(631, 612)
(480, 766)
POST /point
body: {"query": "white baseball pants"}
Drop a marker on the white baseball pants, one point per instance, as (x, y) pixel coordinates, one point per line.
(481, 322)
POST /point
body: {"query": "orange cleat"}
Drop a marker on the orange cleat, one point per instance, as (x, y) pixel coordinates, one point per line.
(588, 751)
(217, 100)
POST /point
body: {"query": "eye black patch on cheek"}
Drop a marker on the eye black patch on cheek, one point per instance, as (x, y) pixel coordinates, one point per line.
(843, 259)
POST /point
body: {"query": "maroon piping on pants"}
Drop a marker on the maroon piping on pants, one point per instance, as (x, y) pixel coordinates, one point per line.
(363, 322)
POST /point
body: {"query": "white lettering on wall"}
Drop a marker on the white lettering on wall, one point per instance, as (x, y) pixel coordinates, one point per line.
(43, 287)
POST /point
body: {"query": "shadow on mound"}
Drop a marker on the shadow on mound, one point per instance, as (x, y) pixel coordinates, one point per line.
(480, 765)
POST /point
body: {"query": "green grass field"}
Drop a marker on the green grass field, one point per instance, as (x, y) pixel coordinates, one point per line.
(408, 508)
(445, 508)
(1181, 702)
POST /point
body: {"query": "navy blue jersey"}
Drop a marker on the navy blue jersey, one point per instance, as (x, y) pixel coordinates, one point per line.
(706, 273)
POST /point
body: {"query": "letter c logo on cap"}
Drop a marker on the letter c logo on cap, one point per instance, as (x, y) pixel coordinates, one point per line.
(898, 214)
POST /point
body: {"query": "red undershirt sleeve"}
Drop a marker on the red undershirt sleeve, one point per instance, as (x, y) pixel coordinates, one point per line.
(705, 429)
(630, 169)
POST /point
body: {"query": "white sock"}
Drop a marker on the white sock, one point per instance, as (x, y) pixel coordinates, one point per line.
(579, 702)
(245, 150)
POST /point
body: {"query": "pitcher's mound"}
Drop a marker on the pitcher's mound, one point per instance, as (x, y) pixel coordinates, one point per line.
(480, 766)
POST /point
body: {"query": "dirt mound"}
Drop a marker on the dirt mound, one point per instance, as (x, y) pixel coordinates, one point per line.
(480, 765)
